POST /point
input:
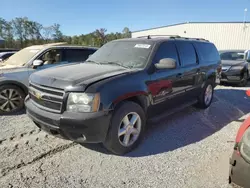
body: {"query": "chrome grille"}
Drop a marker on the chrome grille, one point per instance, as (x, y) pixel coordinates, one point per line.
(47, 98)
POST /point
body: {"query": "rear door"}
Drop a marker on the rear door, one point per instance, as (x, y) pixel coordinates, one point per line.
(190, 68)
(165, 85)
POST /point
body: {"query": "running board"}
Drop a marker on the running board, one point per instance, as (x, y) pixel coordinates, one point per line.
(165, 114)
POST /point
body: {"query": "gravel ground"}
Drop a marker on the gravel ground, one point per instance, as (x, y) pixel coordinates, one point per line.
(188, 149)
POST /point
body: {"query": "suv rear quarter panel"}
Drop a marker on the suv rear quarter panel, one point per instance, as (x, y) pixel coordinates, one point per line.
(209, 59)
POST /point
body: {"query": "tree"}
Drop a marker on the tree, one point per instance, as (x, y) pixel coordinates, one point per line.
(48, 33)
(57, 36)
(101, 36)
(126, 33)
(21, 32)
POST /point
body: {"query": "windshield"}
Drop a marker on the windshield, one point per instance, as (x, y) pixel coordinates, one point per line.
(232, 55)
(128, 54)
(22, 57)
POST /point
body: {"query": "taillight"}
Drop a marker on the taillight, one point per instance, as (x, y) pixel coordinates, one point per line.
(248, 93)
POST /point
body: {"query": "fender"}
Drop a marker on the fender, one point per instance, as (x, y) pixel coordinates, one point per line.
(13, 82)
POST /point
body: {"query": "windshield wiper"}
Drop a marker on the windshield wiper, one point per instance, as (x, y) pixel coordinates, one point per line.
(91, 61)
(119, 64)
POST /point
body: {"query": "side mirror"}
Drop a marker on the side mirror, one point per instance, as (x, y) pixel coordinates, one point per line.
(247, 55)
(90, 55)
(166, 63)
(37, 63)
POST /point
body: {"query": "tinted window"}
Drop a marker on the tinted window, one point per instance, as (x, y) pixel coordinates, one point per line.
(166, 50)
(207, 51)
(186, 52)
(75, 55)
(232, 55)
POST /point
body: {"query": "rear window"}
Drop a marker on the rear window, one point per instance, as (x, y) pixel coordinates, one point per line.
(207, 51)
(232, 56)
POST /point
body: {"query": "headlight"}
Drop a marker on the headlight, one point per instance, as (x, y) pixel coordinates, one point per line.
(83, 102)
(236, 67)
(245, 145)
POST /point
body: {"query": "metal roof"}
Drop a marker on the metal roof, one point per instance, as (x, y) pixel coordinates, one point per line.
(182, 23)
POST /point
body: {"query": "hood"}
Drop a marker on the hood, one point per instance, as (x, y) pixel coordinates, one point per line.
(81, 74)
(12, 69)
(6, 66)
(232, 62)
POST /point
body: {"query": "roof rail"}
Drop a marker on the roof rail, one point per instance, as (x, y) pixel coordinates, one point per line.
(150, 36)
(172, 36)
(195, 38)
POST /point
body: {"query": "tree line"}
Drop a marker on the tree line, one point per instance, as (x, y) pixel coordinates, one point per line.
(22, 32)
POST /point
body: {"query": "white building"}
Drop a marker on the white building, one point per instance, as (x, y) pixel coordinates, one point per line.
(225, 35)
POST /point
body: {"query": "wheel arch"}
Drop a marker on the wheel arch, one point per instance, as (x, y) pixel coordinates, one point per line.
(140, 98)
(15, 83)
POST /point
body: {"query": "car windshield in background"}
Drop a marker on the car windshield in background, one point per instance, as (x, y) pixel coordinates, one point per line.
(22, 57)
(128, 54)
(234, 56)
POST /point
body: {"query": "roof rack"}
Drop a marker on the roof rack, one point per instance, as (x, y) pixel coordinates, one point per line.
(172, 36)
(150, 36)
(195, 38)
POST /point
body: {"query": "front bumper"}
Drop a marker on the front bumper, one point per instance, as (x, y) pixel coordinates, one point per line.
(239, 172)
(79, 127)
(231, 76)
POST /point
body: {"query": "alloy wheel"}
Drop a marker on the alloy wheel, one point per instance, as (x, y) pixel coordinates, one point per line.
(129, 129)
(10, 100)
(208, 94)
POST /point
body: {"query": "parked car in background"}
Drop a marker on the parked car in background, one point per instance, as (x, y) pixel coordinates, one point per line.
(125, 82)
(5, 55)
(8, 50)
(234, 67)
(15, 72)
(240, 160)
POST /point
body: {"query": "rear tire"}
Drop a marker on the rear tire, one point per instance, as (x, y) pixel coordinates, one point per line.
(126, 128)
(11, 99)
(206, 97)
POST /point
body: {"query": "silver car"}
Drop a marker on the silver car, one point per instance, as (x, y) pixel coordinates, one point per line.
(15, 72)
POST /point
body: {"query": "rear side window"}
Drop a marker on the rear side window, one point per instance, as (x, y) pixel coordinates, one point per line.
(76, 55)
(187, 53)
(207, 51)
(166, 50)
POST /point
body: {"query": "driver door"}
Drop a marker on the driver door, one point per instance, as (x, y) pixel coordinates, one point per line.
(50, 58)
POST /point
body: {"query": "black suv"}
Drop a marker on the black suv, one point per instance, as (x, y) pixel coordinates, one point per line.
(108, 98)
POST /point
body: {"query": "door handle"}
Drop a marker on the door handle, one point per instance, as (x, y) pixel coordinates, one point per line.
(179, 75)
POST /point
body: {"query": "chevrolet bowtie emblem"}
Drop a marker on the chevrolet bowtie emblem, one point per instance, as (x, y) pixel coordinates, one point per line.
(38, 95)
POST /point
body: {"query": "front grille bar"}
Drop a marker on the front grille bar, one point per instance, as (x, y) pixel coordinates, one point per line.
(46, 98)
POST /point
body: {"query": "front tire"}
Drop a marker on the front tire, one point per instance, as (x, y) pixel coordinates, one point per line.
(206, 97)
(245, 80)
(126, 128)
(11, 99)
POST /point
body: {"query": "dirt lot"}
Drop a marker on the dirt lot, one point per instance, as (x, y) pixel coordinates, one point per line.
(188, 149)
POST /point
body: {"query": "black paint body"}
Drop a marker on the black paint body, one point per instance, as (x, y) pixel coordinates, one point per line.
(154, 90)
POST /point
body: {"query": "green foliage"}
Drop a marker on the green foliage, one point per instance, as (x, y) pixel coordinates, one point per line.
(22, 32)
